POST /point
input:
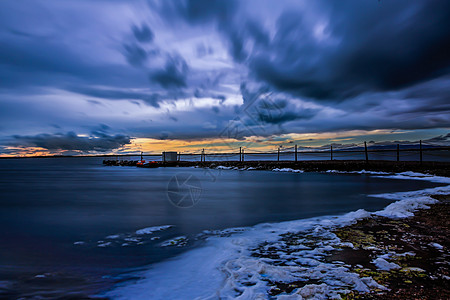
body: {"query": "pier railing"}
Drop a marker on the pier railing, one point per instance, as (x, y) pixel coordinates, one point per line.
(422, 151)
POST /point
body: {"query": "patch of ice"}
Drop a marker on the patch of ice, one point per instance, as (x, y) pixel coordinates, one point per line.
(150, 230)
(370, 172)
(104, 244)
(437, 246)
(384, 265)
(79, 243)
(419, 176)
(359, 172)
(406, 254)
(113, 236)
(132, 239)
(223, 168)
(409, 202)
(287, 170)
(414, 174)
(222, 233)
(347, 244)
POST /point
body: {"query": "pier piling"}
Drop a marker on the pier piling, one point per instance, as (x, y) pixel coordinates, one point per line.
(296, 153)
(365, 151)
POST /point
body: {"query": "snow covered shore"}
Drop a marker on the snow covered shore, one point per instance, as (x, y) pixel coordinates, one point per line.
(258, 261)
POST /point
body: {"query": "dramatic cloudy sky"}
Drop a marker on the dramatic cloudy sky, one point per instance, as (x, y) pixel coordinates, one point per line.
(84, 76)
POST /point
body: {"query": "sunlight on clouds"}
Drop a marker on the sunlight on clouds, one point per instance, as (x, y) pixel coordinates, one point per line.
(251, 143)
(224, 145)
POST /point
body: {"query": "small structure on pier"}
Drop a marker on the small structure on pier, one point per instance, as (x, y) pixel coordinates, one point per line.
(169, 156)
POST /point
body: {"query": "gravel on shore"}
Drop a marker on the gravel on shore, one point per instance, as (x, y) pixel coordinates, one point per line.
(408, 258)
(422, 273)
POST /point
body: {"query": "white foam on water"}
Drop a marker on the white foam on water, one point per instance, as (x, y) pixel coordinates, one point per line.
(408, 202)
(150, 230)
(370, 172)
(359, 172)
(104, 244)
(223, 168)
(287, 170)
(419, 176)
(113, 236)
(228, 265)
(139, 237)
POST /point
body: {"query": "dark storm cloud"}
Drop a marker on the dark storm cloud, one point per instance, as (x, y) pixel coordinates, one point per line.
(116, 94)
(362, 46)
(33, 56)
(368, 46)
(199, 11)
(135, 54)
(280, 116)
(143, 34)
(219, 12)
(99, 141)
(204, 94)
(43, 62)
(173, 74)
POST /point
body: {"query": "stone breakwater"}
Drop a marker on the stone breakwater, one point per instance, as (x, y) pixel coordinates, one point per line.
(434, 168)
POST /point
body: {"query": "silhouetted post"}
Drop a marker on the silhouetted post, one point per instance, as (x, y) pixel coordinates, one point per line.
(398, 152)
(243, 154)
(204, 156)
(420, 151)
(141, 156)
(240, 153)
(179, 156)
(365, 150)
(164, 156)
(278, 159)
(296, 153)
(331, 152)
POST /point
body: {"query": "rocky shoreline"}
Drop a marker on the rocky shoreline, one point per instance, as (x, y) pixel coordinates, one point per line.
(400, 258)
(418, 264)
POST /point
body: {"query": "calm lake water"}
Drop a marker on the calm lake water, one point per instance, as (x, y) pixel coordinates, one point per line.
(68, 225)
